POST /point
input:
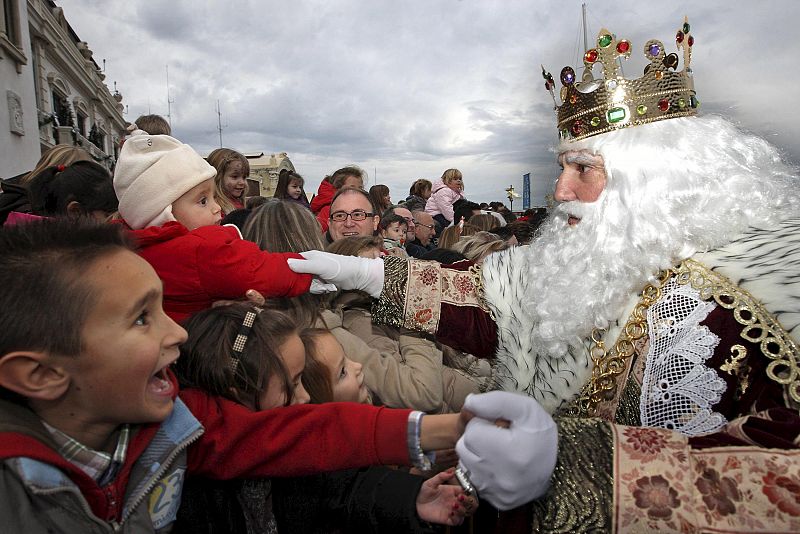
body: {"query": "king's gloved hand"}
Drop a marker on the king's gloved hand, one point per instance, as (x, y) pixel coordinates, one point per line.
(345, 272)
(508, 464)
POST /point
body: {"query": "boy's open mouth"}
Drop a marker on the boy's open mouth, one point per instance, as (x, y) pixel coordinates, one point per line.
(160, 383)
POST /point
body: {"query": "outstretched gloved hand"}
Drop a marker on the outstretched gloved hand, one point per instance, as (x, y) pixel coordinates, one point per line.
(345, 272)
(508, 465)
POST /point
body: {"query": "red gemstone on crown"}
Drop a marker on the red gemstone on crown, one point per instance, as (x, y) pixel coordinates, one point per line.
(663, 104)
(577, 127)
(623, 47)
(691, 40)
(679, 37)
(590, 56)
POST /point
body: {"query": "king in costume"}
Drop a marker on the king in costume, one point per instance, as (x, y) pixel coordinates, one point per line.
(657, 316)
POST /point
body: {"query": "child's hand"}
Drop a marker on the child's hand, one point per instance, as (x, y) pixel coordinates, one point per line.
(252, 296)
(442, 503)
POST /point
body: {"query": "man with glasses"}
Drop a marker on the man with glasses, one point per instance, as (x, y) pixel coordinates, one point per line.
(352, 214)
(424, 232)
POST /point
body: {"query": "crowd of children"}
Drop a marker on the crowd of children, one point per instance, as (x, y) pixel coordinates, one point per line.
(111, 411)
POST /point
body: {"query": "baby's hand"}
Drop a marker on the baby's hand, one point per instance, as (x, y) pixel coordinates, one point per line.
(443, 503)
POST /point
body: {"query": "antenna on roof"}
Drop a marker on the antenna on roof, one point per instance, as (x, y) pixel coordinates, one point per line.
(170, 101)
(219, 123)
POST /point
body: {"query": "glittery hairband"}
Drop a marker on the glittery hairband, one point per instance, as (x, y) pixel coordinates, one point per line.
(241, 337)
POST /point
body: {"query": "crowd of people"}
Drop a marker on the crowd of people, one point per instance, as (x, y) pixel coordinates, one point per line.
(176, 356)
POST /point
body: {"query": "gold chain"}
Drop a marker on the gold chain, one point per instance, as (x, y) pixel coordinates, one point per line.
(609, 364)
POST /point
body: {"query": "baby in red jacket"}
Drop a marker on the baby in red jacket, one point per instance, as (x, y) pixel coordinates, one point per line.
(166, 194)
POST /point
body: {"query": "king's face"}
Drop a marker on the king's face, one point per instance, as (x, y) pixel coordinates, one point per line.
(582, 178)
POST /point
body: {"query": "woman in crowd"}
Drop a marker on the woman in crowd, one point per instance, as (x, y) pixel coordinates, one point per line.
(380, 197)
(419, 193)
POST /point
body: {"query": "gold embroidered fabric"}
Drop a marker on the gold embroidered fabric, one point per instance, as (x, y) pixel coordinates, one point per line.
(758, 324)
(414, 291)
(388, 309)
(580, 495)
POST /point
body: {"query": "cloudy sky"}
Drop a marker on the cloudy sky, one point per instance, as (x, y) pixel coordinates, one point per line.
(406, 89)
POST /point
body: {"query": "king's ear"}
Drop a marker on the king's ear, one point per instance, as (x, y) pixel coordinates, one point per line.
(34, 375)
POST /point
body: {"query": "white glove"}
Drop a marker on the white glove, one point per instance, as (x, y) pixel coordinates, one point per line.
(345, 272)
(508, 466)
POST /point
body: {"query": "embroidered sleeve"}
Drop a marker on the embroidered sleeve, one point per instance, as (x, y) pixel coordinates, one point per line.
(414, 292)
(580, 497)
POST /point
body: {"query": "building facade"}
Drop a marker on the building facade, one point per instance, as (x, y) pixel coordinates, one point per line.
(54, 89)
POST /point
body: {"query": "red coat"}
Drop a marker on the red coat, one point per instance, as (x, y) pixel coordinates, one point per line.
(321, 205)
(213, 263)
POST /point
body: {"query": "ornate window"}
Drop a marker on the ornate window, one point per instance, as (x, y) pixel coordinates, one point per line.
(10, 35)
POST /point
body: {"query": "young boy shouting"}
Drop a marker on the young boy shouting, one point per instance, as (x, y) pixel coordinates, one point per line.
(93, 434)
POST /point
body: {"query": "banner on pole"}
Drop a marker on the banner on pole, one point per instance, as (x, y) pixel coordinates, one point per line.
(526, 191)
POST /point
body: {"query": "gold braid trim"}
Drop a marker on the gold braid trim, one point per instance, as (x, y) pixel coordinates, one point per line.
(580, 498)
(760, 327)
(609, 364)
(389, 308)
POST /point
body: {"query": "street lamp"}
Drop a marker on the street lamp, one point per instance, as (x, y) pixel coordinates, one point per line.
(511, 194)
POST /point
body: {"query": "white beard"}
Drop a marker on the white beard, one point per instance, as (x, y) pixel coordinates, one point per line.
(549, 296)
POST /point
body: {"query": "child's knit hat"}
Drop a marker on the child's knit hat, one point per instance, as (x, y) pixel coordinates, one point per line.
(152, 172)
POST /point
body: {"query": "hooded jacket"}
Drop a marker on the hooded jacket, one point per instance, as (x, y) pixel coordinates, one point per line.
(441, 200)
(321, 205)
(213, 263)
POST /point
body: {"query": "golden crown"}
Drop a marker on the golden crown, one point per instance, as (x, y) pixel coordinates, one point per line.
(594, 106)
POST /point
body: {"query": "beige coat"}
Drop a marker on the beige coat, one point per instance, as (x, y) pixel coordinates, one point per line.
(402, 368)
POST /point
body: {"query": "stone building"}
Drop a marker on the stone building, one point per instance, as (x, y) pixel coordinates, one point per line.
(264, 171)
(54, 89)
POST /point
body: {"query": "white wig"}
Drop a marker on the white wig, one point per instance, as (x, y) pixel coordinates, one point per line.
(674, 188)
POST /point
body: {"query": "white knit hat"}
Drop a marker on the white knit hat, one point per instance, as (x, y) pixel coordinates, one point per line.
(152, 172)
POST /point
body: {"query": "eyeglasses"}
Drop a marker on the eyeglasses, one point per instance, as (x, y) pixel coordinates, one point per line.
(356, 215)
(428, 226)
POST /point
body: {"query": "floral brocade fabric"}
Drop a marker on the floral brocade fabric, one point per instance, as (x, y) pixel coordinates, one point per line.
(661, 484)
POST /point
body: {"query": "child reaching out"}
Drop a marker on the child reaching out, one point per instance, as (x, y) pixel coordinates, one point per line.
(393, 229)
(447, 190)
(264, 372)
(94, 434)
(167, 196)
(290, 187)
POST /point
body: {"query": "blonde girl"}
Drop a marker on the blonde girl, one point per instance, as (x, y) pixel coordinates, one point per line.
(230, 183)
(445, 192)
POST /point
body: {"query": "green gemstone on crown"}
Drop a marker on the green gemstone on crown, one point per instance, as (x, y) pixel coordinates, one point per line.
(595, 121)
(681, 103)
(604, 41)
(686, 27)
(641, 109)
(615, 115)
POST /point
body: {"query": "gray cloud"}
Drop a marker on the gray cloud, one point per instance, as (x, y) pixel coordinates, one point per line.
(411, 88)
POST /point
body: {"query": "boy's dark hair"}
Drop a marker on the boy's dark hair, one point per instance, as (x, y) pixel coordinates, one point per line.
(316, 376)
(420, 186)
(205, 361)
(45, 297)
(153, 124)
(463, 208)
(390, 217)
(352, 246)
(85, 182)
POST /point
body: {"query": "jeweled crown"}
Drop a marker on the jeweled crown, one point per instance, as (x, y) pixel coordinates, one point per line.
(594, 106)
